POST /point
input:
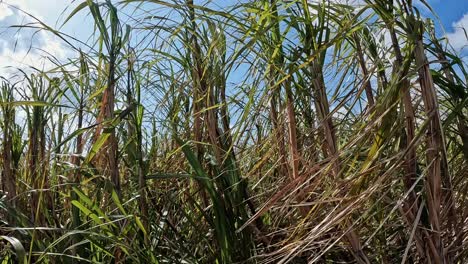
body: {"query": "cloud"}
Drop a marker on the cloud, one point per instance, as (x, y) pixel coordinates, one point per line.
(25, 47)
(458, 38)
(41, 9)
(5, 12)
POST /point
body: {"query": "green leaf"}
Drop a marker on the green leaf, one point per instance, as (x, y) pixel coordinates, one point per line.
(97, 146)
(75, 11)
(116, 199)
(19, 249)
(140, 225)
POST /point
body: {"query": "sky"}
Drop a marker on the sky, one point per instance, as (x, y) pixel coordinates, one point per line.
(28, 47)
(453, 15)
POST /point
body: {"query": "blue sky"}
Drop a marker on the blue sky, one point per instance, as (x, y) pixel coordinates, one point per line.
(27, 47)
(450, 11)
(453, 15)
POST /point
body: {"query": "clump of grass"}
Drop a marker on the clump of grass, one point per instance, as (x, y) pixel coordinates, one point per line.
(263, 132)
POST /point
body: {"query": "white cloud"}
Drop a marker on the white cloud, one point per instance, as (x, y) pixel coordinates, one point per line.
(458, 38)
(5, 11)
(41, 9)
(36, 57)
(17, 51)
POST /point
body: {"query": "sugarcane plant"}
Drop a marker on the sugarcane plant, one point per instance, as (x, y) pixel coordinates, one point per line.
(245, 132)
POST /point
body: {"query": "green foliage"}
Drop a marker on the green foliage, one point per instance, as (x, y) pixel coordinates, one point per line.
(263, 132)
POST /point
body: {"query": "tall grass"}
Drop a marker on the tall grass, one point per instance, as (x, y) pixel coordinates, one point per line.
(260, 132)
